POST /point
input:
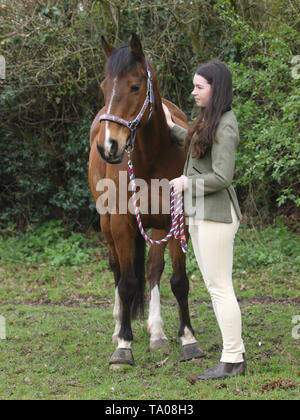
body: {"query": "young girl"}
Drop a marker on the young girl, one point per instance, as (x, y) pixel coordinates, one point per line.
(211, 144)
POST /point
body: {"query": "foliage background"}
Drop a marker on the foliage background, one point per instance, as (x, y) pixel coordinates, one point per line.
(51, 94)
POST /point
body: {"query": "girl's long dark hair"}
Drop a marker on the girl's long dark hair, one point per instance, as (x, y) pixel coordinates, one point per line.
(203, 132)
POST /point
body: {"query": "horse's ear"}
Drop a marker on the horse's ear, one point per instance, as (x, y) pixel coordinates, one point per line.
(108, 49)
(136, 46)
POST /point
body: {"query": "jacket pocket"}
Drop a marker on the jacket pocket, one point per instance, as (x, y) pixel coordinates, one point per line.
(197, 170)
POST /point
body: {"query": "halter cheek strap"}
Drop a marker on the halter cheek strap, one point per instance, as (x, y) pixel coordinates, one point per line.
(132, 125)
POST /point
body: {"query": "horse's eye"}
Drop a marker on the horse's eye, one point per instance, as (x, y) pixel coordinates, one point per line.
(135, 88)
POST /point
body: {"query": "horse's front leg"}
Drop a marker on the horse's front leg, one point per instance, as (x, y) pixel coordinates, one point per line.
(128, 290)
(124, 296)
(117, 314)
(155, 266)
(115, 267)
(180, 288)
(123, 332)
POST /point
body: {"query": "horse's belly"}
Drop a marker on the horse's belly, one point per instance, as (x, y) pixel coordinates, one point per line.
(159, 221)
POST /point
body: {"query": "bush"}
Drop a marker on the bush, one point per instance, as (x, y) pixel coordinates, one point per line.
(273, 245)
(268, 110)
(51, 94)
(51, 242)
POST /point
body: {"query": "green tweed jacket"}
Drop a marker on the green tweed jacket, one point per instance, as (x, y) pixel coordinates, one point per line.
(215, 168)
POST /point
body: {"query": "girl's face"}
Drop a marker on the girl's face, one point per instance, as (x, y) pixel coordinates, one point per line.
(202, 91)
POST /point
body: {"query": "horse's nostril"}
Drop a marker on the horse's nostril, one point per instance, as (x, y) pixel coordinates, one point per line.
(113, 148)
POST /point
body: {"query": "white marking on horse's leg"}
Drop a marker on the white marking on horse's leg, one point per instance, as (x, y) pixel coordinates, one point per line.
(187, 337)
(107, 131)
(117, 316)
(155, 322)
(122, 344)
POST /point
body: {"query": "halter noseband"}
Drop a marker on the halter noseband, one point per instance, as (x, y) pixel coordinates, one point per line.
(132, 125)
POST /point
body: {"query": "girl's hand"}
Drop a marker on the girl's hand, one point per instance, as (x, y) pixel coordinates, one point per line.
(179, 184)
(168, 116)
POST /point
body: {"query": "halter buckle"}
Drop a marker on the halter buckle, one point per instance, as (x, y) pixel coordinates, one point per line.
(133, 125)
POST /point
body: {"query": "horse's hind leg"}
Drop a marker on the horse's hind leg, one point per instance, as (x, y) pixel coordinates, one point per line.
(155, 266)
(180, 288)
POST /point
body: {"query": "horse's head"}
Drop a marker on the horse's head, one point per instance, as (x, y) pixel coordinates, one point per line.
(125, 89)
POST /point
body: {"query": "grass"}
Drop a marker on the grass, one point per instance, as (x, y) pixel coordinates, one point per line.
(56, 294)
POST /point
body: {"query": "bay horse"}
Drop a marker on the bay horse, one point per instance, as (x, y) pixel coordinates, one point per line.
(129, 79)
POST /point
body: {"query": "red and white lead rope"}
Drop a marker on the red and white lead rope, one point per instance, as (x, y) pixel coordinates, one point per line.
(176, 209)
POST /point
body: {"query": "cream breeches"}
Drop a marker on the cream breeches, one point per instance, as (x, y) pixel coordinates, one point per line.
(213, 247)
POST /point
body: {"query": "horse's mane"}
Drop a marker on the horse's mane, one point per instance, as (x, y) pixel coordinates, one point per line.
(121, 61)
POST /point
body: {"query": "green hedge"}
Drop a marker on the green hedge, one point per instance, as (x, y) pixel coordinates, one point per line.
(51, 94)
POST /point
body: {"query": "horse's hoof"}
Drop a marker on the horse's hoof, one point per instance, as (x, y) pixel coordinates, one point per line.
(160, 343)
(191, 351)
(122, 357)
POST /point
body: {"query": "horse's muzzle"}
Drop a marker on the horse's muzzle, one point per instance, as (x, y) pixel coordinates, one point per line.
(111, 158)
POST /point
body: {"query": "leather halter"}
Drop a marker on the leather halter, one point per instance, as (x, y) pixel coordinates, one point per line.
(132, 125)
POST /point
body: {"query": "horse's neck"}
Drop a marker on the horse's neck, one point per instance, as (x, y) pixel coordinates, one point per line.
(154, 139)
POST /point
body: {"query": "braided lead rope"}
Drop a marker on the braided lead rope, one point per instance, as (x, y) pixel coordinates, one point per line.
(177, 228)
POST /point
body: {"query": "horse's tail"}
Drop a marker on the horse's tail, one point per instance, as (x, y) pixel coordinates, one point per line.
(138, 304)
